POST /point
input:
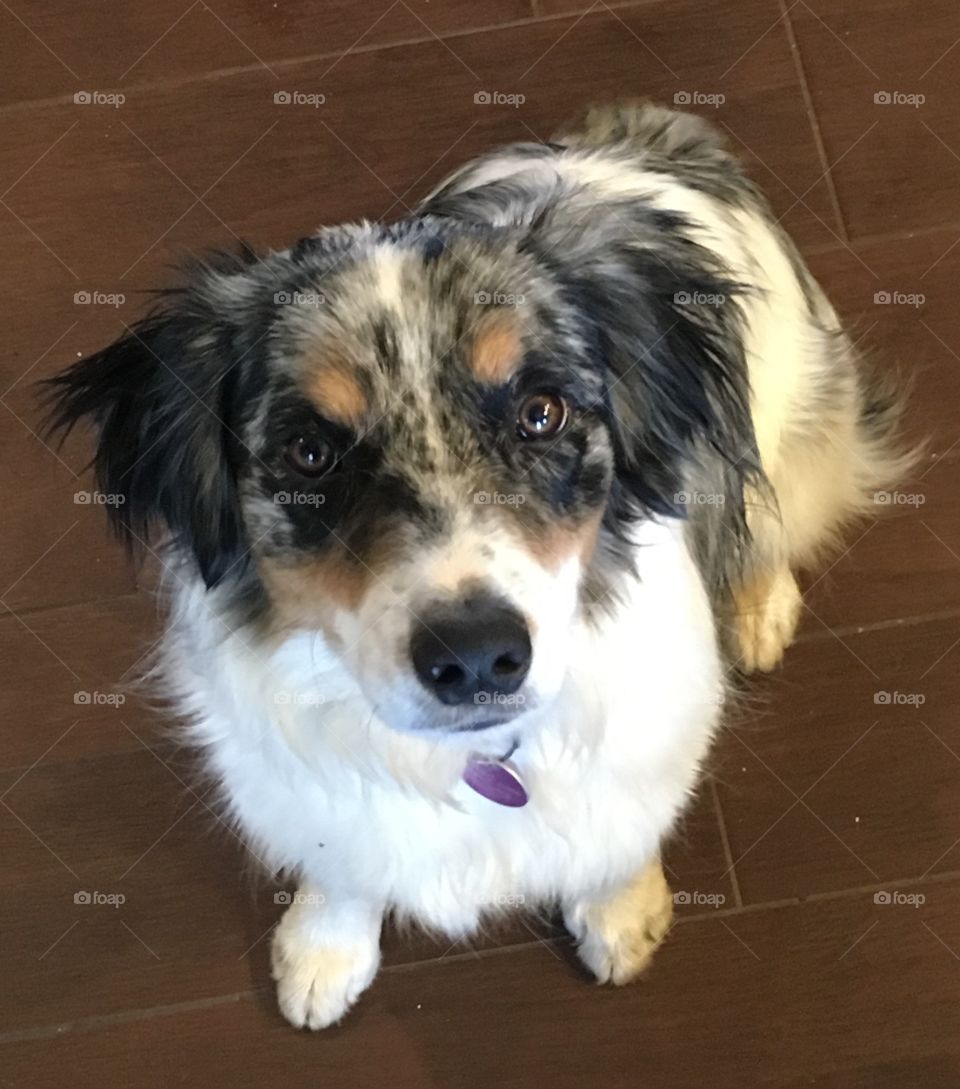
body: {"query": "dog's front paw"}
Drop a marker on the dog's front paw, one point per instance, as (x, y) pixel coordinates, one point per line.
(617, 937)
(318, 983)
(766, 622)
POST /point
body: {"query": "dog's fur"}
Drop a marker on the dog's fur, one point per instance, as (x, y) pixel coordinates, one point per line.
(720, 431)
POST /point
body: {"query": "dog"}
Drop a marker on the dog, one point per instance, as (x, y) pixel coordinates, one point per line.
(471, 520)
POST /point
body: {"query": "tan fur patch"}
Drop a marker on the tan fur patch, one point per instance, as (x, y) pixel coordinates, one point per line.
(621, 934)
(768, 608)
(552, 546)
(306, 594)
(497, 349)
(336, 392)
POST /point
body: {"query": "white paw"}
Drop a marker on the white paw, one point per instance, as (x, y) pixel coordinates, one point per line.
(766, 625)
(317, 984)
(617, 938)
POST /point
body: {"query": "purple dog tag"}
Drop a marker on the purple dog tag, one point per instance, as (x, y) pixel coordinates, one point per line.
(495, 780)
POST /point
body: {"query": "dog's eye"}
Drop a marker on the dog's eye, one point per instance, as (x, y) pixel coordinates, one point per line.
(541, 416)
(308, 456)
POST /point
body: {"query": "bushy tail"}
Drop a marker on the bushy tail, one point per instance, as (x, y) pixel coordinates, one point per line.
(643, 124)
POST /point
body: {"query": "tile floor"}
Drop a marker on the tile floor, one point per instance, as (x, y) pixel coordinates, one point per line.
(821, 942)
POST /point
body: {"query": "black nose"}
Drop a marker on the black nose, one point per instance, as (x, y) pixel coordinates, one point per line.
(469, 654)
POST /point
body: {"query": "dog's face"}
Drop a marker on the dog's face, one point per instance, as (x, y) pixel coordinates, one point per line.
(407, 441)
(425, 474)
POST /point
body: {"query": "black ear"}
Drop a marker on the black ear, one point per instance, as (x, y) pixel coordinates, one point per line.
(677, 380)
(163, 399)
(666, 323)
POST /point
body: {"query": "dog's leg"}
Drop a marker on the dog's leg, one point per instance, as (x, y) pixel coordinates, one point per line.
(325, 953)
(767, 611)
(617, 937)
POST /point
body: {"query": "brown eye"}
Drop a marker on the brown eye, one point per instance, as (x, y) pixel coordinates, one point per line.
(541, 416)
(308, 456)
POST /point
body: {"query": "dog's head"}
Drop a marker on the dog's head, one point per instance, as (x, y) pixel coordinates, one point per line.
(424, 442)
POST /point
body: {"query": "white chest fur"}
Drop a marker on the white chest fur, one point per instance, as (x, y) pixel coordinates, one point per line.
(321, 788)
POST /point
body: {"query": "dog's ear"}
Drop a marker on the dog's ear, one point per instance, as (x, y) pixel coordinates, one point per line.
(677, 381)
(163, 401)
(666, 322)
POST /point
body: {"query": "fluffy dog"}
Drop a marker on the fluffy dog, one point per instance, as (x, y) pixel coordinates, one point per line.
(468, 521)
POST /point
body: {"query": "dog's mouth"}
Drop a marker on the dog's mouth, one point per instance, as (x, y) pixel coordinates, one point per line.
(437, 725)
(485, 724)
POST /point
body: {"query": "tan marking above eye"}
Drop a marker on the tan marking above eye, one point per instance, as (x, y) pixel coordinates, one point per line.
(497, 348)
(336, 393)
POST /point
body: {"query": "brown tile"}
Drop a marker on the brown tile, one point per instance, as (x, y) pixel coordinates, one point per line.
(378, 137)
(565, 7)
(899, 299)
(694, 860)
(102, 200)
(869, 581)
(839, 775)
(54, 546)
(896, 163)
(746, 58)
(194, 921)
(845, 994)
(55, 48)
(80, 828)
(66, 677)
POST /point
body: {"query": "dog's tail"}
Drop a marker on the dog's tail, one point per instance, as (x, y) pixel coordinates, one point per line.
(642, 124)
(887, 460)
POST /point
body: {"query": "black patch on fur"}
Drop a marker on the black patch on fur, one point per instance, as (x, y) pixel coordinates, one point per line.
(170, 400)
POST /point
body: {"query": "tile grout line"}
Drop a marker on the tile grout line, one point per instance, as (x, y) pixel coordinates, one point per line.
(813, 120)
(725, 841)
(881, 237)
(820, 635)
(826, 896)
(120, 1017)
(83, 603)
(92, 1024)
(309, 58)
(802, 639)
